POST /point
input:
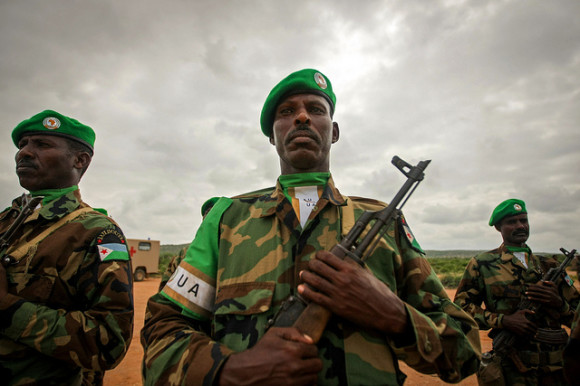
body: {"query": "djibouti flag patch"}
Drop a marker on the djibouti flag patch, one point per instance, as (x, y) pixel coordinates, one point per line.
(113, 251)
(410, 236)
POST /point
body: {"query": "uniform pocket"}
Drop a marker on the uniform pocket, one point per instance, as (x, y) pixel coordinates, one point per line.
(506, 291)
(244, 298)
(241, 313)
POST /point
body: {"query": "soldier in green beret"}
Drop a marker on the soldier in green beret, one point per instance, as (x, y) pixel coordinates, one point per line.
(209, 323)
(499, 279)
(66, 300)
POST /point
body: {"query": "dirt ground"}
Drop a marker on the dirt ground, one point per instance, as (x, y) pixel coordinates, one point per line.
(128, 373)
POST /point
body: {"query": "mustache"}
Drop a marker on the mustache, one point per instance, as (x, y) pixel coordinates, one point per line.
(517, 233)
(302, 130)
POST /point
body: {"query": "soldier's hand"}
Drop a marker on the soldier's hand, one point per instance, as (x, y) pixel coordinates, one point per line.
(545, 292)
(354, 293)
(282, 357)
(519, 324)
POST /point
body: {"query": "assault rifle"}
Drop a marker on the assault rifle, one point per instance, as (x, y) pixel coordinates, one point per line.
(504, 340)
(28, 206)
(310, 318)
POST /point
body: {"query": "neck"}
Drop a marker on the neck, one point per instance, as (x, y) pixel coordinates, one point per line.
(52, 194)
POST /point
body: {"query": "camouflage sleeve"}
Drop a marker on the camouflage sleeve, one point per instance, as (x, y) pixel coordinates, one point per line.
(470, 297)
(446, 337)
(575, 329)
(178, 349)
(571, 299)
(174, 337)
(95, 336)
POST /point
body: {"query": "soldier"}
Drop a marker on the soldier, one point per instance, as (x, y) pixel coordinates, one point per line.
(66, 301)
(209, 323)
(572, 351)
(500, 279)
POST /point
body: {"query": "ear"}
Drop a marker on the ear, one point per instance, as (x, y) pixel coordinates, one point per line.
(272, 140)
(82, 160)
(497, 226)
(335, 132)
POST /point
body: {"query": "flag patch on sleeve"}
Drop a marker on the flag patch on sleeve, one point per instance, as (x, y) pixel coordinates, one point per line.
(113, 251)
(111, 245)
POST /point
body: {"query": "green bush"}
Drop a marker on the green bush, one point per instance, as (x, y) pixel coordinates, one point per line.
(164, 259)
(449, 269)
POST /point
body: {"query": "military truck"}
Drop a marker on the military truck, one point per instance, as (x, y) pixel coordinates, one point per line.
(144, 257)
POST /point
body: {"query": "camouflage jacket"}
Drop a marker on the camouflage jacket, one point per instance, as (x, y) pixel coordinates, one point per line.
(575, 329)
(220, 297)
(70, 303)
(499, 280)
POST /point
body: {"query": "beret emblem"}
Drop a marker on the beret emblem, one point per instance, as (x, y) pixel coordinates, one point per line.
(51, 123)
(320, 81)
(517, 207)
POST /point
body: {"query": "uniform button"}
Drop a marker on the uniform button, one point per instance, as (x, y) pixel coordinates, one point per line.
(428, 347)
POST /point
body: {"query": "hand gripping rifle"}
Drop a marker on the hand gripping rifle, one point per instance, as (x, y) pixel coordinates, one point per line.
(504, 340)
(311, 318)
(28, 206)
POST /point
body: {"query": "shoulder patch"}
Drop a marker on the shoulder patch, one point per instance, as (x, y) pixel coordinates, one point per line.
(409, 236)
(111, 245)
(568, 280)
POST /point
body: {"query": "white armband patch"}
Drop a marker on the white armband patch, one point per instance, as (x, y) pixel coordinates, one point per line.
(192, 288)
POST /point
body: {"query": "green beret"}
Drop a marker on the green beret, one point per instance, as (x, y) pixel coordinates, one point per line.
(307, 81)
(208, 205)
(50, 122)
(507, 208)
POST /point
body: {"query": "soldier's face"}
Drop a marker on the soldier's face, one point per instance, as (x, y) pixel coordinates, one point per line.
(514, 230)
(45, 162)
(303, 133)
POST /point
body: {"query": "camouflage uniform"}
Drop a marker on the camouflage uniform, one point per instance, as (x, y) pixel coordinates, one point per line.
(499, 280)
(254, 266)
(69, 310)
(572, 350)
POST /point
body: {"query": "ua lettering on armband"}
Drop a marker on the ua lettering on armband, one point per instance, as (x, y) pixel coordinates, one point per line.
(192, 290)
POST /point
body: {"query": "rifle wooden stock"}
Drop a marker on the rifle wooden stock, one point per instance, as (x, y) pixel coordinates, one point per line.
(313, 320)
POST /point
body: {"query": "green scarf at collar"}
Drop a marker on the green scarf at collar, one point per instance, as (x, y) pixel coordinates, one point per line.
(52, 194)
(518, 249)
(302, 179)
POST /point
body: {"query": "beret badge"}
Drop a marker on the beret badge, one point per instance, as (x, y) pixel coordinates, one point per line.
(51, 123)
(320, 81)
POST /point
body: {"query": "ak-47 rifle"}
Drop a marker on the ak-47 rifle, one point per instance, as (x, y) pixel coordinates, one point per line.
(504, 341)
(28, 206)
(310, 318)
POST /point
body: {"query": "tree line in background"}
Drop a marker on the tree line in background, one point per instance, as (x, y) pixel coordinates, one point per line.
(449, 265)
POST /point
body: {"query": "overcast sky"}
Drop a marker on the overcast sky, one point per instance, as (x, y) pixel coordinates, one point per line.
(488, 90)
